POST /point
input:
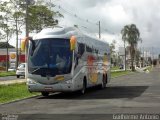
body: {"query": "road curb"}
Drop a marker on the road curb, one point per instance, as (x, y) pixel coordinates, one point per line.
(18, 100)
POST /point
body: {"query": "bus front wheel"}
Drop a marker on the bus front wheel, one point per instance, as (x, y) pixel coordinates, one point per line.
(45, 94)
(84, 86)
(104, 81)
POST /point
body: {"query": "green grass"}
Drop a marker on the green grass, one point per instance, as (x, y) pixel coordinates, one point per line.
(13, 92)
(4, 74)
(115, 68)
(119, 73)
(149, 68)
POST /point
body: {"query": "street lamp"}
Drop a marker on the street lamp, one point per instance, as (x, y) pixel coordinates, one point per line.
(28, 2)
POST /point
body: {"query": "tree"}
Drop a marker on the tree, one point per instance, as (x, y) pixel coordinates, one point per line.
(14, 14)
(6, 29)
(40, 16)
(131, 34)
(8, 33)
(137, 57)
(114, 57)
(112, 47)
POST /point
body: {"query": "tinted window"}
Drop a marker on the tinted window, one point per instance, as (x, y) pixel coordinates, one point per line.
(81, 48)
(21, 66)
(89, 49)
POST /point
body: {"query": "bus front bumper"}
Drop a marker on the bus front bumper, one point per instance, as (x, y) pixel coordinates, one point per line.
(58, 87)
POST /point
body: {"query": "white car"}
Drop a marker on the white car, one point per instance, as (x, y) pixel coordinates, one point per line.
(11, 69)
(21, 70)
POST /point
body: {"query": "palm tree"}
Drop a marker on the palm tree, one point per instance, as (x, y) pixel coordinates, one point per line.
(131, 34)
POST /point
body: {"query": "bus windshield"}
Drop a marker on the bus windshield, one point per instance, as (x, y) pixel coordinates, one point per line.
(50, 56)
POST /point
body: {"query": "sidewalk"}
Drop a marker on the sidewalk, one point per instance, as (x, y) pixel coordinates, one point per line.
(142, 70)
(119, 70)
(137, 69)
(8, 82)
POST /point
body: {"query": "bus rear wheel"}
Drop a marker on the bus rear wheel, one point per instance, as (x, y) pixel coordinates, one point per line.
(45, 94)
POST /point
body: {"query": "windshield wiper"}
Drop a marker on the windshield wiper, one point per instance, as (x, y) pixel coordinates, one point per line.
(36, 70)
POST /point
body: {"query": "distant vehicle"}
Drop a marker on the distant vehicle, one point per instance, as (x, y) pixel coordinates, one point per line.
(11, 69)
(20, 70)
(120, 66)
(65, 59)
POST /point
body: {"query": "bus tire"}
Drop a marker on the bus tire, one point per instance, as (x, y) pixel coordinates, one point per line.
(104, 81)
(45, 94)
(83, 91)
(18, 76)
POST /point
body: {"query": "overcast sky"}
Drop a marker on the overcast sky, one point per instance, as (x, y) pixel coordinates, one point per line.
(114, 14)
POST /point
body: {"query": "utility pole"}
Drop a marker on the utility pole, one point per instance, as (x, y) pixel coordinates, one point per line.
(28, 2)
(20, 52)
(7, 33)
(27, 35)
(143, 57)
(140, 65)
(17, 41)
(152, 57)
(27, 31)
(99, 24)
(124, 55)
(7, 51)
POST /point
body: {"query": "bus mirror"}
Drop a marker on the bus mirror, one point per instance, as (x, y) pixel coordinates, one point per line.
(24, 42)
(72, 43)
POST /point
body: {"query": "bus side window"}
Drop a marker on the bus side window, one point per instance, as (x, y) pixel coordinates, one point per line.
(89, 49)
(81, 48)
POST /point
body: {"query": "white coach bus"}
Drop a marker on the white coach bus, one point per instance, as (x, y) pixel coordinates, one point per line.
(65, 59)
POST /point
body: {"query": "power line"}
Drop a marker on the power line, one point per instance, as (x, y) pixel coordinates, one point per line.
(81, 19)
(70, 13)
(75, 15)
(86, 20)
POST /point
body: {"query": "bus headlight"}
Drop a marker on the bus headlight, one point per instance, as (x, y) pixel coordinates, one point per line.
(68, 81)
(30, 81)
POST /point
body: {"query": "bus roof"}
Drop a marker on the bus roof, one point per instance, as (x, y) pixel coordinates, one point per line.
(56, 33)
(67, 32)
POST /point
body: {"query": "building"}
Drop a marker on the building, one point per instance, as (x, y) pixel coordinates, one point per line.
(4, 58)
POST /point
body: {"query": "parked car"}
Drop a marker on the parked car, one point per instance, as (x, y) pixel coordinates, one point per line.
(20, 70)
(11, 69)
(120, 66)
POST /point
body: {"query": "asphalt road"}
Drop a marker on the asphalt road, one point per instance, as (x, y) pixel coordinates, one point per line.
(134, 93)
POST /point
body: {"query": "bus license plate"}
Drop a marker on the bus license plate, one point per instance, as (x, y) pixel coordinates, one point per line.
(48, 89)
